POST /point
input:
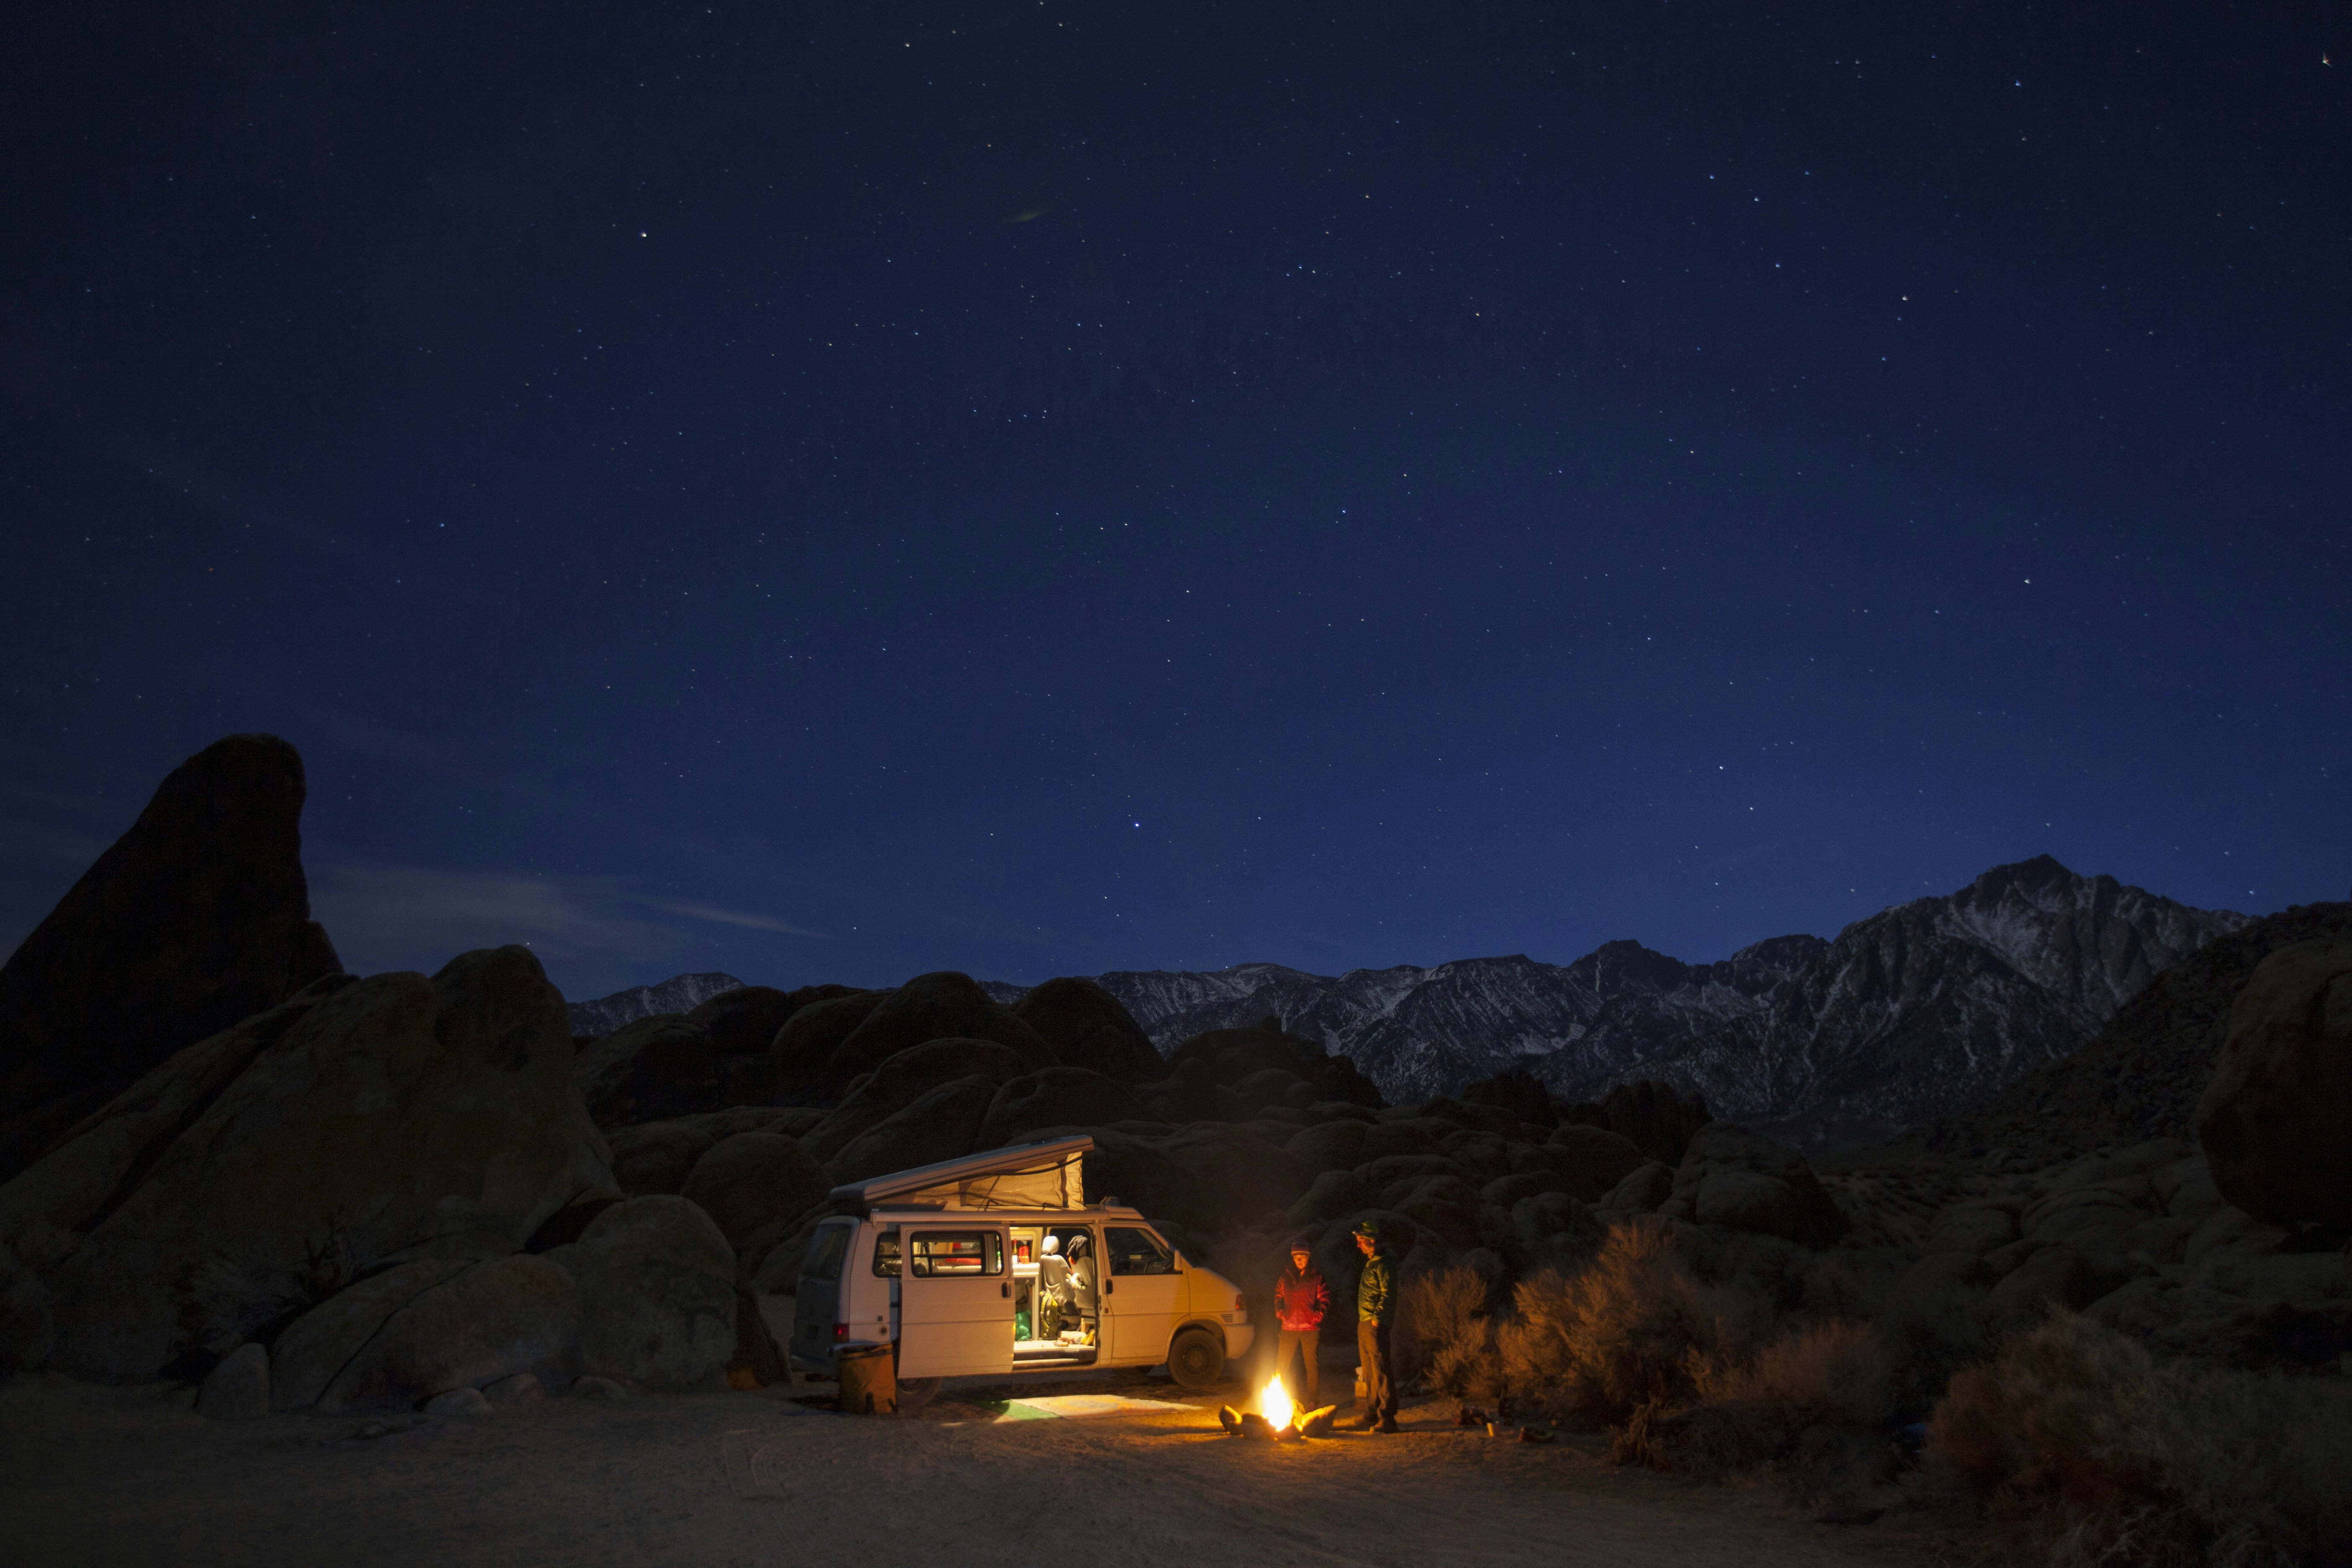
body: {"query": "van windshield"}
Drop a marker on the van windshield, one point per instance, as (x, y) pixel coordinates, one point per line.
(825, 1253)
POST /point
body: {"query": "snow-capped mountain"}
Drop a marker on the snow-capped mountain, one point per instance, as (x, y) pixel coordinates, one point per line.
(1915, 1011)
(679, 993)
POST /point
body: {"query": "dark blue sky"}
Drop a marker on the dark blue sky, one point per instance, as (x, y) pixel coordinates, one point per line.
(836, 492)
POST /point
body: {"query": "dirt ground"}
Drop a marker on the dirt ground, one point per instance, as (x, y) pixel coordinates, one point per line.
(96, 1476)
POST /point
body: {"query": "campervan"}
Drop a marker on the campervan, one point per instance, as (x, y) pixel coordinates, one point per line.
(995, 1265)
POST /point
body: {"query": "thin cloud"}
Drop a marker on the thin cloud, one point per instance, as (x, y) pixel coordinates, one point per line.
(717, 916)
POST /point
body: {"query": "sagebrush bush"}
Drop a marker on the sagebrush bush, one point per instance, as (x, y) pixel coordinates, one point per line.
(1634, 1327)
(1835, 1374)
(2114, 1458)
(234, 1296)
(1443, 1333)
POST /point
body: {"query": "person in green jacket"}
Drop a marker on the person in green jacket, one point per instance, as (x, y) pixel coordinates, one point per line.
(1375, 1312)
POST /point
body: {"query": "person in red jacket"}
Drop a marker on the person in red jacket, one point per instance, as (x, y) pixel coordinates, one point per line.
(1300, 1299)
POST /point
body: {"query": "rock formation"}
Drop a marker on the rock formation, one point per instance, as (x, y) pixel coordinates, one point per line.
(197, 916)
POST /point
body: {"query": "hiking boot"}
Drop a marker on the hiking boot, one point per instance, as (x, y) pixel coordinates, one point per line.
(1387, 1426)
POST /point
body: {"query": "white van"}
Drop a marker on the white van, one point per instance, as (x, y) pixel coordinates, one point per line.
(994, 1264)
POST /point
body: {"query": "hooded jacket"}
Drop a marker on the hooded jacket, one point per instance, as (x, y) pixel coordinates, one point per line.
(1301, 1300)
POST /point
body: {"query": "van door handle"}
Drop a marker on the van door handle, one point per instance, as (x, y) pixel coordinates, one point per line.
(1109, 1286)
(1005, 1291)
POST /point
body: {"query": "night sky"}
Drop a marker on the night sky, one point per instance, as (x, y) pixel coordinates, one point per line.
(834, 492)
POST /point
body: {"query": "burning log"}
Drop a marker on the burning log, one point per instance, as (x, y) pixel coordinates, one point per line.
(1316, 1423)
(1231, 1419)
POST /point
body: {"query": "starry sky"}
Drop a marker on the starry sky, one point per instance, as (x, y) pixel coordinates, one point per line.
(830, 492)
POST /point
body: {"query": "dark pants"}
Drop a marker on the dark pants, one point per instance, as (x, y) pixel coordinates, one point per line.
(1374, 1356)
(1301, 1342)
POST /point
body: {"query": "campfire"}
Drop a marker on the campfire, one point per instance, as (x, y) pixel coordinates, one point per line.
(1277, 1417)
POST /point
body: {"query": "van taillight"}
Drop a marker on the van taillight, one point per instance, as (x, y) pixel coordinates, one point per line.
(840, 1332)
(1241, 1302)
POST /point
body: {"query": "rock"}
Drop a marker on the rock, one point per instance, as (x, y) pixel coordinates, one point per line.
(1057, 1097)
(933, 1007)
(1744, 1201)
(1332, 1145)
(305, 1359)
(1480, 1156)
(1643, 1191)
(27, 1336)
(599, 1388)
(757, 1357)
(197, 916)
(1382, 1139)
(1659, 1119)
(515, 1390)
(1087, 1026)
(1504, 1190)
(1551, 1230)
(1269, 1086)
(485, 1322)
(463, 1401)
(940, 1124)
(803, 1047)
(1721, 1149)
(1447, 1206)
(239, 1388)
(1333, 1192)
(1518, 1092)
(904, 1078)
(1189, 1093)
(1592, 1161)
(1492, 1119)
(428, 1109)
(754, 1179)
(655, 1156)
(2301, 1277)
(655, 1069)
(2053, 1277)
(2272, 1122)
(1973, 1229)
(658, 1283)
(744, 1020)
(71, 1187)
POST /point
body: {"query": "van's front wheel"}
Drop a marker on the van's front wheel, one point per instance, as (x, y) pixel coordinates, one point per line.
(914, 1393)
(1196, 1359)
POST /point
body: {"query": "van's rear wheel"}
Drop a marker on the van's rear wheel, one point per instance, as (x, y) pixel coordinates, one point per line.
(914, 1393)
(1197, 1359)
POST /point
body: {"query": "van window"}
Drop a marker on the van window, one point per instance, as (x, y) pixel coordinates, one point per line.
(1134, 1251)
(946, 1253)
(825, 1248)
(885, 1255)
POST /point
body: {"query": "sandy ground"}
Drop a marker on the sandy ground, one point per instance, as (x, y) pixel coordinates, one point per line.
(94, 1476)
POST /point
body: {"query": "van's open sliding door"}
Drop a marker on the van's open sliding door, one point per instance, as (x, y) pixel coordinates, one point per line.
(955, 1301)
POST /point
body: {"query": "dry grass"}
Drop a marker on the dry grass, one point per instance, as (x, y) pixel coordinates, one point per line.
(2110, 1457)
(1635, 1327)
(1445, 1335)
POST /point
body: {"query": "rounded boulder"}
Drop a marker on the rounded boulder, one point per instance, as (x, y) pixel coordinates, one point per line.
(2273, 1122)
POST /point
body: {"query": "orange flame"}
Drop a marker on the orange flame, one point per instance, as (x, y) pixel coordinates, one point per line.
(1275, 1406)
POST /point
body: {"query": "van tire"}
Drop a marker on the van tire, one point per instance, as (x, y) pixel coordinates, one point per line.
(914, 1393)
(1197, 1359)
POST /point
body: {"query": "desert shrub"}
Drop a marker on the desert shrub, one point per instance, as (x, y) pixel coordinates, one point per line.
(2110, 1457)
(1635, 1327)
(1835, 1374)
(1444, 1333)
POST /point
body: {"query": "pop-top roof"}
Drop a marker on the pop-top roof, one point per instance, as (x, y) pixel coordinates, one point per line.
(1048, 1176)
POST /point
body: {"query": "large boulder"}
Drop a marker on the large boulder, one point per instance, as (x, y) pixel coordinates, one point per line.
(657, 1284)
(904, 1078)
(933, 1007)
(1518, 1092)
(651, 1069)
(1592, 1161)
(754, 1179)
(744, 1020)
(396, 1115)
(468, 1326)
(73, 1185)
(1336, 1145)
(742, 1025)
(803, 1047)
(1659, 1119)
(1742, 1181)
(1063, 1096)
(2273, 1120)
(655, 1156)
(197, 916)
(1088, 1028)
(939, 1124)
